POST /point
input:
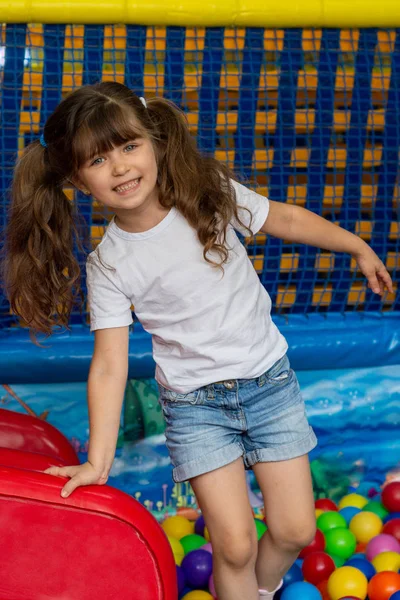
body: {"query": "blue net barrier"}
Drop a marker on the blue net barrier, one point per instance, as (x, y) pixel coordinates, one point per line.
(310, 117)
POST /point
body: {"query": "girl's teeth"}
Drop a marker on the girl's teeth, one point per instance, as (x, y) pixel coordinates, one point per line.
(124, 188)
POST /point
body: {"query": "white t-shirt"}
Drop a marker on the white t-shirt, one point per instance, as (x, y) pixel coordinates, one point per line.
(206, 326)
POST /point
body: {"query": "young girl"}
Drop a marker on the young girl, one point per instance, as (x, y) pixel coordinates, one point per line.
(229, 396)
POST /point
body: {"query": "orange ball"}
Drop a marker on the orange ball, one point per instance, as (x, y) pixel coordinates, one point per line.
(383, 585)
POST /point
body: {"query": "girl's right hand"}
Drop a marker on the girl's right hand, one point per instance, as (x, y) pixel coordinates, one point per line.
(85, 474)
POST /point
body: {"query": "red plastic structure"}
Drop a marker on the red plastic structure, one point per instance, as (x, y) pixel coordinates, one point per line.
(31, 434)
(98, 544)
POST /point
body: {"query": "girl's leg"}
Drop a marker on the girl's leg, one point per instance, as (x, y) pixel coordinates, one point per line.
(223, 499)
(286, 487)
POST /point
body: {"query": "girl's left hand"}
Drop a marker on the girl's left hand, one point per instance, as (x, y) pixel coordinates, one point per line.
(374, 270)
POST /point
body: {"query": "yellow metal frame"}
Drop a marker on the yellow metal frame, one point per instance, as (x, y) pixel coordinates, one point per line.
(237, 13)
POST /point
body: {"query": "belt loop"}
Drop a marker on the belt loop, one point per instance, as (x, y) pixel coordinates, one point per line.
(210, 392)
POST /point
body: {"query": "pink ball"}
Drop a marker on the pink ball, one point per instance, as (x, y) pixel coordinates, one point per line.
(381, 543)
(211, 586)
(207, 547)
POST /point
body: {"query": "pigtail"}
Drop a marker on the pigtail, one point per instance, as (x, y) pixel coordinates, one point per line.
(40, 272)
(197, 184)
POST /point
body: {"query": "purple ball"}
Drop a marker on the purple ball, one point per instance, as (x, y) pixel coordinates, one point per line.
(197, 566)
(199, 525)
(181, 579)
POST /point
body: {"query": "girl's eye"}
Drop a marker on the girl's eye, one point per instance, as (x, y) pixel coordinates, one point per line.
(130, 146)
(95, 161)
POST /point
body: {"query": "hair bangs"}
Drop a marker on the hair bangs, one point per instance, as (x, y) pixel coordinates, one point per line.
(108, 126)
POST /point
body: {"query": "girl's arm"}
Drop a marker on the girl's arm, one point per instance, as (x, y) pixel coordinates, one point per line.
(106, 386)
(299, 225)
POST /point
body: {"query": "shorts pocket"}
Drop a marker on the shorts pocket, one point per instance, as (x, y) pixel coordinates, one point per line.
(280, 373)
(177, 398)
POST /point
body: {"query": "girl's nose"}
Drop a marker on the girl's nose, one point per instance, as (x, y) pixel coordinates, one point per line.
(120, 168)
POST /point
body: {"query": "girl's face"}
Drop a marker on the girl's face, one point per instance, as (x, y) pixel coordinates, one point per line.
(124, 178)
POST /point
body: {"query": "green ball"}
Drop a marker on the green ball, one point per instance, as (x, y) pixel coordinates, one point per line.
(377, 508)
(338, 560)
(341, 542)
(260, 527)
(192, 542)
(330, 520)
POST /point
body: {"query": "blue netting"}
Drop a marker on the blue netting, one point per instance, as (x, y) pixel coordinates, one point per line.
(310, 117)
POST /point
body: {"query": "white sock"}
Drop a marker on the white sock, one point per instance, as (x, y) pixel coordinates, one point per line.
(266, 595)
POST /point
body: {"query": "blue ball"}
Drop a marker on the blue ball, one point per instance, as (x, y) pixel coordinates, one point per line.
(199, 525)
(197, 566)
(294, 574)
(395, 596)
(389, 517)
(362, 565)
(301, 589)
(348, 512)
(181, 579)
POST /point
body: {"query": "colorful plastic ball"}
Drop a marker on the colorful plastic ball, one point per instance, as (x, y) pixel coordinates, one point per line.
(317, 566)
(395, 596)
(177, 526)
(294, 574)
(338, 560)
(347, 580)
(349, 598)
(340, 541)
(325, 504)
(365, 526)
(387, 561)
(301, 589)
(318, 543)
(330, 520)
(197, 595)
(362, 565)
(192, 542)
(206, 534)
(348, 512)
(261, 528)
(318, 512)
(383, 585)
(391, 516)
(376, 507)
(199, 525)
(181, 579)
(391, 496)
(177, 549)
(392, 528)
(381, 543)
(353, 500)
(207, 547)
(197, 566)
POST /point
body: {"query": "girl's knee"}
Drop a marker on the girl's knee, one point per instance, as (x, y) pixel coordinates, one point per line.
(295, 538)
(237, 550)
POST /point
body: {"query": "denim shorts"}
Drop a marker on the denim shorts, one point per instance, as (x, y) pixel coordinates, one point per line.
(261, 419)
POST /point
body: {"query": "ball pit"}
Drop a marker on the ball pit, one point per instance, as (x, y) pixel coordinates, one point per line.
(355, 554)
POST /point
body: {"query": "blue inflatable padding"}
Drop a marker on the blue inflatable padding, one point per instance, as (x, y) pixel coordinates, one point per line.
(315, 342)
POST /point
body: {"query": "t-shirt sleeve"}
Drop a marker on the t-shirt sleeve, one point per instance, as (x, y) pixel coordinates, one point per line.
(108, 305)
(255, 203)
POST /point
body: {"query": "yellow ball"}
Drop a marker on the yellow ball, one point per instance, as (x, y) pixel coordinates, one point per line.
(206, 534)
(197, 595)
(318, 512)
(353, 500)
(347, 581)
(365, 525)
(177, 549)
(177, 526)
(386, 561)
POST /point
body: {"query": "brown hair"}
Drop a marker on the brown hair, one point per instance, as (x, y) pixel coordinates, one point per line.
(40, 270)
